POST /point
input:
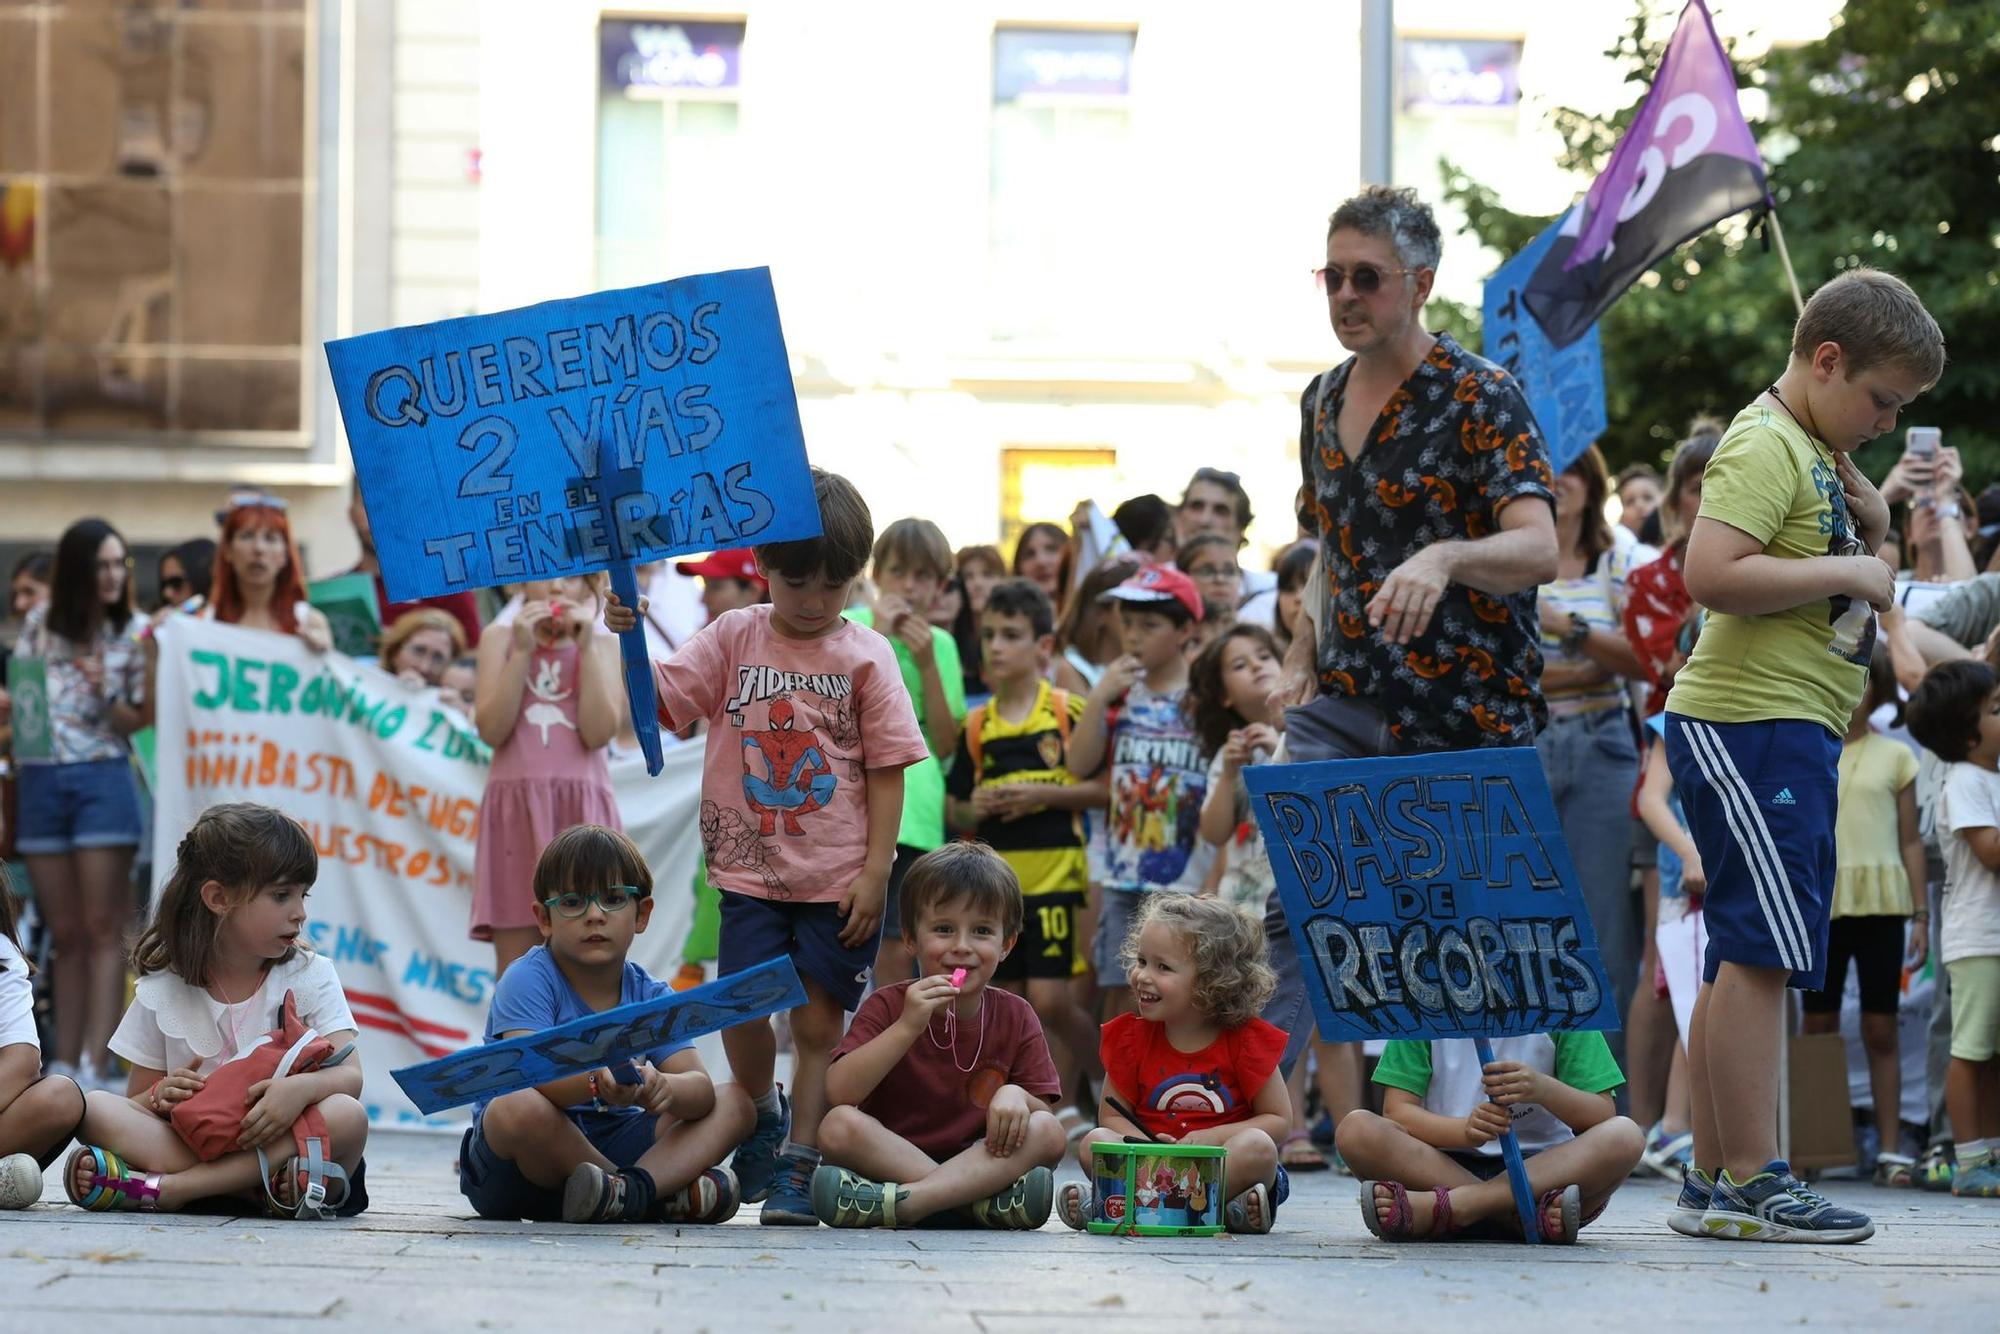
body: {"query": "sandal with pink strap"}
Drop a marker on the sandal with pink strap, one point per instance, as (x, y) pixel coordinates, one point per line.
(1560, 1213)
(113, 1185)
(1397, 1227)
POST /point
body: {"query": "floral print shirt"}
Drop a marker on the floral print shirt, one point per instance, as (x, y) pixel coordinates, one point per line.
(1454, 445)
(83, 680)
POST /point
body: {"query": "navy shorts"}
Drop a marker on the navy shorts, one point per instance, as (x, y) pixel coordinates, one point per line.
(757, 930)
(1760, 800)
(498, 1189)
(64, 807)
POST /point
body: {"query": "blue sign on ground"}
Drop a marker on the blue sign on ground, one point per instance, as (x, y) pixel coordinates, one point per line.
(1431, 896)
(1564, 386)
(477, 440)
(599, 1040)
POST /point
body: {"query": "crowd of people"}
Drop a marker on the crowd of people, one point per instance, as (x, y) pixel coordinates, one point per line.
(1004, 793)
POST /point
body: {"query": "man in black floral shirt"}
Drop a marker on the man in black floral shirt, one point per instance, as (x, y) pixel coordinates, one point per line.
(1414, 453)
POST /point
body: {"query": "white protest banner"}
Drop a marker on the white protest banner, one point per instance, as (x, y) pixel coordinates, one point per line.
(388, 782)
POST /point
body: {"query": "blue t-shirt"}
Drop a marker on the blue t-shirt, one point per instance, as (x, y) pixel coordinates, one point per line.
(534, 994)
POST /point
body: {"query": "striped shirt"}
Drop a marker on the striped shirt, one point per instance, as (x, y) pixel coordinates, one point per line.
(1599, 598)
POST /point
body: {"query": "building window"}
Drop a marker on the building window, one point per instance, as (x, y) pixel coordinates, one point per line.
(1062, 187)
(155, 214)
(1043, 485)
(667, 117)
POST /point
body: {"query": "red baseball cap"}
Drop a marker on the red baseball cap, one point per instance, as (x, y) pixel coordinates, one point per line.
(1159, 583)
(736, 564)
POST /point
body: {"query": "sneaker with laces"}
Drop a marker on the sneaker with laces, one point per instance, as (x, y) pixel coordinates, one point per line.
(1696, 1189)
(790, 1202)
(712, 1197)
(756, 1160)
(1981, 1181)
(1774, 1205)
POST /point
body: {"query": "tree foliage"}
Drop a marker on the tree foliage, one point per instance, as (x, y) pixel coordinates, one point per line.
(1882, 142)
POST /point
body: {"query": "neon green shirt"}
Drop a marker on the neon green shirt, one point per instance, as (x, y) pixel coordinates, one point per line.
(1773, 481)
(923, 782)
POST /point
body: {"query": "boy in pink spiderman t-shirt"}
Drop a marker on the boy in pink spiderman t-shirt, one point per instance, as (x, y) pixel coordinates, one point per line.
(809, 730)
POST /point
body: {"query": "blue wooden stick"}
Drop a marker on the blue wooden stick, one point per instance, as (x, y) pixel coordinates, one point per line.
(1517, 1166)
(613, 482)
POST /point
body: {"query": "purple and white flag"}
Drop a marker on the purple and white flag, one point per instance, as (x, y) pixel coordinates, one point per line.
(1687, 162)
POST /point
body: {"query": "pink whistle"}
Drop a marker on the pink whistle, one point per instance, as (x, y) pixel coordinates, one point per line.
(958, 977)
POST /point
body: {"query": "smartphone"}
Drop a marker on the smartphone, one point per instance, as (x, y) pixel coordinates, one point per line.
(1921, 442)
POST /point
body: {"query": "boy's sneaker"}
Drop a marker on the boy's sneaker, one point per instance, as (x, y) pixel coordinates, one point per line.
(841, 1198)
(20, 1181)
(790, 1202)
(1021, 1207)
(711, 1197)
(593, 1195)
(1697, 1188)
(1774, 1205)
(1668, 1155)
(756, 1160)
(1937, 1168)
(1981, 1181)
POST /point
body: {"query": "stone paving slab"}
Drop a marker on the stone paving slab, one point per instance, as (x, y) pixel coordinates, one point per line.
(418, 1261)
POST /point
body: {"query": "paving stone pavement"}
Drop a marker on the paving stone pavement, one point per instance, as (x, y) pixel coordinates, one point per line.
(416, 1260)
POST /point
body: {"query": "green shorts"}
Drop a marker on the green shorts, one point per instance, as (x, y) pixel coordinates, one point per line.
(1975, 1007)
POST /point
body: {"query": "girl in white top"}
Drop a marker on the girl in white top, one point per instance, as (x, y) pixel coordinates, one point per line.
(38, 1113)
(215, 964)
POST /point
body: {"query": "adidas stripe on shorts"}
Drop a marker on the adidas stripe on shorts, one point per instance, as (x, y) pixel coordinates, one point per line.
(1760, 800)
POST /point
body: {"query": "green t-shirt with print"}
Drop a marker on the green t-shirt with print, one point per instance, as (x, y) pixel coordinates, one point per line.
(1770, 479)
(1583, 1061)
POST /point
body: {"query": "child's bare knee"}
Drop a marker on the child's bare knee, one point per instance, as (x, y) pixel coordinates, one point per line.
(839, 1131)
(57, 1102)
(1622, 1135)
(816, 1025)
(1362, 1132)
(734, 1107)
(1046, 1139)
(515, 1119)
(1091, 1141)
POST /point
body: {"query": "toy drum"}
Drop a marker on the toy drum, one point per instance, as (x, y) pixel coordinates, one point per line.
(1157, 1190)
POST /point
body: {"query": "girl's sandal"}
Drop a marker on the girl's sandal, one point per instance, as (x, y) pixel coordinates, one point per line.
(1560, 1214)
(113, 1185)
(1073, 1205)
(1299, 1154)
(309, 1176)
(1402, 1218)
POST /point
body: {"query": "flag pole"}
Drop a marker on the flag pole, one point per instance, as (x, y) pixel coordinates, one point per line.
(1785, 255)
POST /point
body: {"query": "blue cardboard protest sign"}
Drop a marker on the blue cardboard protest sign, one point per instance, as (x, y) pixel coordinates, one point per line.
(599, 1040)
(1431, 896)
(1564, 386)
(476, 440)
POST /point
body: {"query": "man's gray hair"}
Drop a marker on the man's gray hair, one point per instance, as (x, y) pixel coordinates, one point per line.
(1397, 216)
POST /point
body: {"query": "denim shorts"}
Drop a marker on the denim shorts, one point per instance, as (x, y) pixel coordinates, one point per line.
(496, 1188)
(64, 807)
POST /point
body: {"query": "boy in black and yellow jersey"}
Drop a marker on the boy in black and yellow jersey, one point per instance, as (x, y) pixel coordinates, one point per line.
(1009, 787)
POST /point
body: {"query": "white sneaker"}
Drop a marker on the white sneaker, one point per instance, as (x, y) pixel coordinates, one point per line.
(20, 1181)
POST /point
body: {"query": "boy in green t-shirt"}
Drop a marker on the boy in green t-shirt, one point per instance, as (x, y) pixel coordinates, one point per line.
(1783, 556)
(1444, 1115)
(909, 566)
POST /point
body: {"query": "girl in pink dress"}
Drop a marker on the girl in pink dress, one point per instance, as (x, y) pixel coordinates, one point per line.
(548, 700)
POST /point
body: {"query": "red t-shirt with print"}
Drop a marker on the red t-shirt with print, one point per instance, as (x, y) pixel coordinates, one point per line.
(928, 1098)
(1176, 1091)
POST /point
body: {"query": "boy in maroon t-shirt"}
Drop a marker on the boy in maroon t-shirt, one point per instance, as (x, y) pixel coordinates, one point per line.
(937, 1096)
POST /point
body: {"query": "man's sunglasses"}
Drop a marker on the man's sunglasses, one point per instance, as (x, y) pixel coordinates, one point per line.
(612, 899)
(1367, 279)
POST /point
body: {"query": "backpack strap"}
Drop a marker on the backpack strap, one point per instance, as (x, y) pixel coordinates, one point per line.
(975, 725)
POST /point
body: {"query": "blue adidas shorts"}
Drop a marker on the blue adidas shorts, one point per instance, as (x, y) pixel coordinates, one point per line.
(1760, 801)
